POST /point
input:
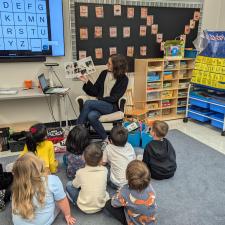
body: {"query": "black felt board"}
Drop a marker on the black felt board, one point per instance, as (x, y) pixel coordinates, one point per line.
(171, 23)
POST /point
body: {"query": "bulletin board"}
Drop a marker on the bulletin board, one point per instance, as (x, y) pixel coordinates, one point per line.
(171, 23)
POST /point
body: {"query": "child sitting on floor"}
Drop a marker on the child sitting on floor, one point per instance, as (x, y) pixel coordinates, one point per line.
(118, 154)
(134, 203)
(159, 154)
(88, 189)
(36, 142)
(37, 197)
(77, 140)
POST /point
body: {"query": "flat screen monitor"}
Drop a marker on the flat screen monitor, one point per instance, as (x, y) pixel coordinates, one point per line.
(31, 28)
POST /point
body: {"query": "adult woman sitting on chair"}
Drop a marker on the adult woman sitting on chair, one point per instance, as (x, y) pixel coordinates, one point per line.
(108, 89)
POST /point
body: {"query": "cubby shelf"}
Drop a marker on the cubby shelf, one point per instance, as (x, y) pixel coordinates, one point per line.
(167, 87)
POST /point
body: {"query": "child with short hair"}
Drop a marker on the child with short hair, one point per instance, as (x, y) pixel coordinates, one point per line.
(135, 202)
(88, 189)
(36, 142)
(118, 154)
(36, 196)
(77, 140)
(159, 154)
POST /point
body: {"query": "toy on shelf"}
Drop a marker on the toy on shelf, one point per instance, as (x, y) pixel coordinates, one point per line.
(174, 49)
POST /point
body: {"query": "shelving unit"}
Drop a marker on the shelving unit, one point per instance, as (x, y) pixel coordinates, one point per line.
(206, 109)
(162, 84)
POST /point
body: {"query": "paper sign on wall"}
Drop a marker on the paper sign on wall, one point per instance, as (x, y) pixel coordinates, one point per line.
(154, 28)
(83, 11)
(99, 11)
(130, 12)
(130, 51)
(98, 32)
(112, 50)
(117, 10)
(126, 32)
(150, 20)
(159, 38)
(143, 29)
(83, 33)
(143, 50)
(144, 12)
(98, 53)
(113, 32)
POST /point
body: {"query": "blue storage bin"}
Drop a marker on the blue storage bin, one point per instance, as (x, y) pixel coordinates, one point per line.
(192, 53)
(216, 123)
(193, 114)
(217, 108)
(134, 137)
(199, 103)
(145, 138)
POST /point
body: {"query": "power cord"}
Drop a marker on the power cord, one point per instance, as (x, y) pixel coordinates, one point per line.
(50, 107)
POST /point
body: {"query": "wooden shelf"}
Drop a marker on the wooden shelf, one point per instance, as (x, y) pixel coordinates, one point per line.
(143, 66)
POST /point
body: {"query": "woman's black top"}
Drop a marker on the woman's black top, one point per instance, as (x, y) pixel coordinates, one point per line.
(97, 89)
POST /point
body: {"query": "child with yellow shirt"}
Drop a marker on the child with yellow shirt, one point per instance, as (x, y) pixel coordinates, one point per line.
(36, 142)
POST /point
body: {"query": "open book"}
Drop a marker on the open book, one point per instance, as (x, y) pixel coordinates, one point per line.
(80, 67)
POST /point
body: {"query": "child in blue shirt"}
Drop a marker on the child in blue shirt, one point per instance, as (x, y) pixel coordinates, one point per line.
(77, 140)
(134, 203)
(37, 198)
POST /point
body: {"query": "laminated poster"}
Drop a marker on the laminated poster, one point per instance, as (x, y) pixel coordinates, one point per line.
(117, 10)
(159, 38)
(83, 33)
(144, 12)
(98, 32)
(130, 12)
(192, 24)
(83, 11)
(197, 15)
(143, 50)
(150, 20)
(112, 50)
(113, 32)
(99, 11)
(187, 29)
(98, 53)
(130, 51)
(154, 28)
(126, 32)
(162, 46)
(82, 54)
(143, 29)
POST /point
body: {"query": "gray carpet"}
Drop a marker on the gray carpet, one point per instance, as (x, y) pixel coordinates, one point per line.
(194, 196)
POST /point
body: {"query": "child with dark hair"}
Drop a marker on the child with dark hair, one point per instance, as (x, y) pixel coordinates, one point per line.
(77, 140)
(159, 154)
(36, 142)
(135, 202)
(88, 189)
(118, 154)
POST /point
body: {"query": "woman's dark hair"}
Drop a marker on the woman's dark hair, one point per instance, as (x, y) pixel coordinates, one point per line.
(36, 135)
(78, 139)
(119, 64)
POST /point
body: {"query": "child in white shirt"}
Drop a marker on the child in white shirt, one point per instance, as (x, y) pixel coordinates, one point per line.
(88, 189)
(118, 154)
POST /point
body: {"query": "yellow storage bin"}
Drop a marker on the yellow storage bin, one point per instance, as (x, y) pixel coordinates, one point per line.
(167, 94)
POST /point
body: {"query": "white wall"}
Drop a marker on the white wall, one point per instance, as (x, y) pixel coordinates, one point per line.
(13, 74)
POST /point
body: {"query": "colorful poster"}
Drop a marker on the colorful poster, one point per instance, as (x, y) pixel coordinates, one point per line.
(130, 12)
(197, 15)
(82, 54)
(83, 33)
(117, 10)
(159, 38)
(112, 32)
(83, 11)
(98, 53)
(126, 32)
(144, 12)
(112, 50)
(130, 51)
(150, 20)
(99, 11)
(187, 29)
(143, 30)
(154, 28)
(98, 32)
(192, 24)
(143, 50)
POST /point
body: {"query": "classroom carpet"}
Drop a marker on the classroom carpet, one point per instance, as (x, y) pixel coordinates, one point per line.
(194, 196)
